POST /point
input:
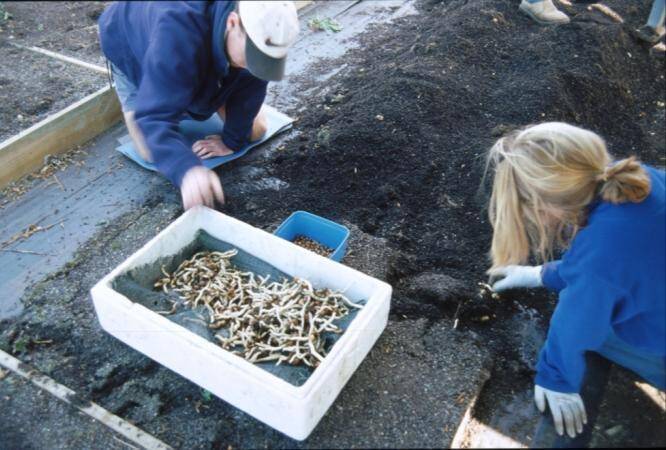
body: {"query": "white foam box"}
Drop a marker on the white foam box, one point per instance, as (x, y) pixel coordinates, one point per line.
(293, 410)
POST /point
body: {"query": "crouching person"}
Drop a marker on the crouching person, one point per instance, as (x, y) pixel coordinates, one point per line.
(176, 60)
(555, 185)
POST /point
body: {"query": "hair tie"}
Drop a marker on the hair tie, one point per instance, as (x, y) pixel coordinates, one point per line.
(607, 173)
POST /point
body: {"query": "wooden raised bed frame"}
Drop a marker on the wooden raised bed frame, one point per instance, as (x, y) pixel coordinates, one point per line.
(75, 125)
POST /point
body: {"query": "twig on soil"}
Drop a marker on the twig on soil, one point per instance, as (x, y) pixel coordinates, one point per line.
(52, 164)
(26, 252)
(607, 11)
(57, 163)
(455, 316)
(25, 234)
(13, 192)
(55, 177)
(198, 405)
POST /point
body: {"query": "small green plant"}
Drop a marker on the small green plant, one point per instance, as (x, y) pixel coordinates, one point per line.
(21, 344)
(324, 136)
(4, 14)
(326, 24)
(207, 396)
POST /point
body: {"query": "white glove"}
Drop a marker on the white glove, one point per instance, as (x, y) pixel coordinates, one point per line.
(567, 409)
(516, 277)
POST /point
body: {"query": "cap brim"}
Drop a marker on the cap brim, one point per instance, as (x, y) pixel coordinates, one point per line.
(261, 65)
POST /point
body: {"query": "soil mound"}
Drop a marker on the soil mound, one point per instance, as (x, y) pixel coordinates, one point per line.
(397, 143)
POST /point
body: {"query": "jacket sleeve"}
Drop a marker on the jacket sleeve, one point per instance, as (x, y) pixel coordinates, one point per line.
(242, 107)
(581, 322)
(170, 69)
(550, 276)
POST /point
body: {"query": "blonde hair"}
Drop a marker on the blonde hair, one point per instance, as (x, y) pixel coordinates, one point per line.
(552, 168)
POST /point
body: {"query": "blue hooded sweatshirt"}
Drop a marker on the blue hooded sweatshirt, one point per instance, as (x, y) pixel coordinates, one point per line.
(175, 53)
(611, 280)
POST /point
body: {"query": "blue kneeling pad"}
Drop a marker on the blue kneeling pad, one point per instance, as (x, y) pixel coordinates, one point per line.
(194, 130)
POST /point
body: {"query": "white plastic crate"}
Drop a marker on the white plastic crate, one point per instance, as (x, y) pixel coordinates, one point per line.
(293, 410)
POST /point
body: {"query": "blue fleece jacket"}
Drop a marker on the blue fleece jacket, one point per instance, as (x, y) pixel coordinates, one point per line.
(174, 52)
(611, 280)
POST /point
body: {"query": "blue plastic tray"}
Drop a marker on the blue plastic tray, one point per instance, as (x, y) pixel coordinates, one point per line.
(324, 231)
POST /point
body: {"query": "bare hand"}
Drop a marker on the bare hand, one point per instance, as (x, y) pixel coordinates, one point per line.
(201, 186)
(211, 147)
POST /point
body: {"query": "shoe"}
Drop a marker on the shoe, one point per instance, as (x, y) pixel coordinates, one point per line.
(658, 50)
(649, 34)
(544, 12)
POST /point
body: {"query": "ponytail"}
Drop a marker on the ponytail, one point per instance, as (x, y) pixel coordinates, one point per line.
(510, 244)
(624, 181)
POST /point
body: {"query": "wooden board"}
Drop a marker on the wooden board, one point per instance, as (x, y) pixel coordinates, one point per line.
(58, 133)
(78, 123)
(61, 57)
(65, 394)
(302, 4)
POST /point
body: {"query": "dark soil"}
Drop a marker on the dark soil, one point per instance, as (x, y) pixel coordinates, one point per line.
(396, 147)
(388, 402)
(69, 28)
(617, 428)
(33, 86)
(60, 425)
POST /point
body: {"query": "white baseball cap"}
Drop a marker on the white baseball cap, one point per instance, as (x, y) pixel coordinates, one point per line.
(271, 27)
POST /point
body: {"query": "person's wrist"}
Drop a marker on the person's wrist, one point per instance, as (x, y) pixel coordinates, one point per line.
(180, 178)
(535, 275)
(194, 169)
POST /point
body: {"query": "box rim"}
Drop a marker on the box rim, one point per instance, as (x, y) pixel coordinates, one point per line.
(260, 375)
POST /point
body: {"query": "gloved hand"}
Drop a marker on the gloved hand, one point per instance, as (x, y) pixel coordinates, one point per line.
(516, 277)
(567, 409)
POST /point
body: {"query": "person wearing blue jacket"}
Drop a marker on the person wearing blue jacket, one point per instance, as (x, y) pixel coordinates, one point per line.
(556, 185)
(175, 60)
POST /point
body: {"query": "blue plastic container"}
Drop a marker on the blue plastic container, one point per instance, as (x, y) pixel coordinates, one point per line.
(324, 231)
